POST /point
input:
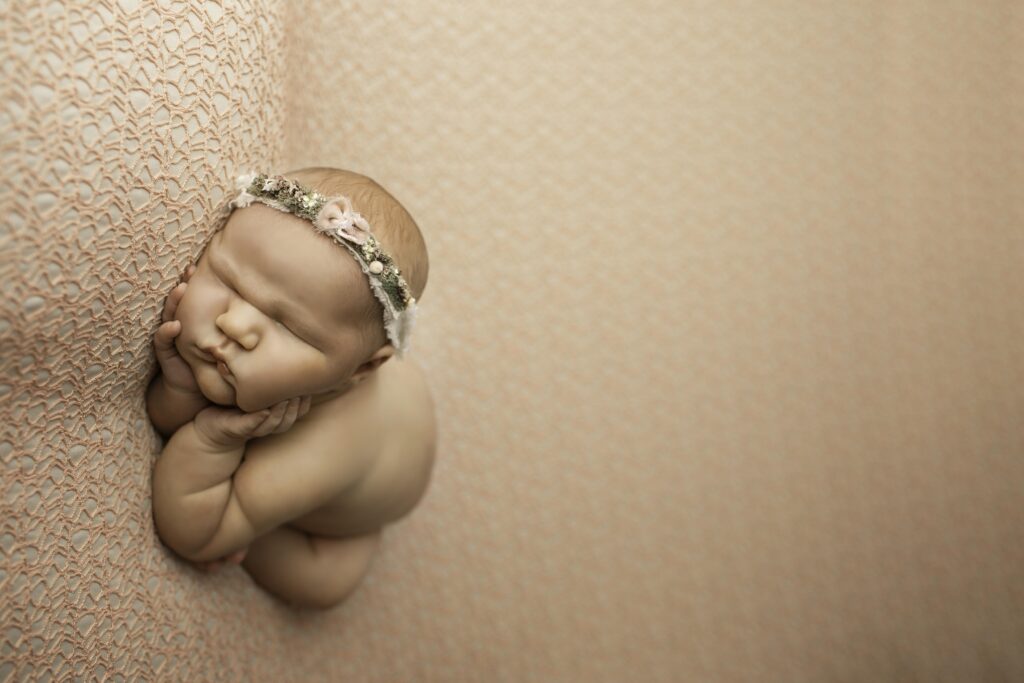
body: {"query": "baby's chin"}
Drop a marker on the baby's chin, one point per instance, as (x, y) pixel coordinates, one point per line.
(217, 390)
(214, 387)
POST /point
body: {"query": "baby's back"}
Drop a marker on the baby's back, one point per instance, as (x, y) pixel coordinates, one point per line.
(397, 414)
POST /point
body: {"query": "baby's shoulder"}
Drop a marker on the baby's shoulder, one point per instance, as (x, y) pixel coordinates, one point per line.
(404, 396)
(404, 377)
(394, 418)
(392, 412)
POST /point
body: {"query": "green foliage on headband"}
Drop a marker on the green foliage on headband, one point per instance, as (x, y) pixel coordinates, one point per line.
(389, 278)
(298, 199)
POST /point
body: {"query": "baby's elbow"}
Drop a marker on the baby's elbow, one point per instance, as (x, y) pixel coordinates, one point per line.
(177, 544)
(174, 527)
(200, 553)
(179, 536)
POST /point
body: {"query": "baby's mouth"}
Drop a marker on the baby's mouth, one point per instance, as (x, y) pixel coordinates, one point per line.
(222, 367)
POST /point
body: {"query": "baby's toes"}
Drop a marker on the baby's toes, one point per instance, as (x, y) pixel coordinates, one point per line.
(238, 556)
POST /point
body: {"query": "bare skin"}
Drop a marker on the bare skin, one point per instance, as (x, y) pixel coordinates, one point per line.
(178, 377)
(291, 458)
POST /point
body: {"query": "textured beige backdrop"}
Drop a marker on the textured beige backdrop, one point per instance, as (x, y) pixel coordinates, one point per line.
(724, 324)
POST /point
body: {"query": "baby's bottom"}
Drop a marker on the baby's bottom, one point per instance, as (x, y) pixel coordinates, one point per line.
(307, 570)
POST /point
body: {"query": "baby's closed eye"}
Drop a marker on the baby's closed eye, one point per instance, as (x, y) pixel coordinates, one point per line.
(285, 326)
(271, 312)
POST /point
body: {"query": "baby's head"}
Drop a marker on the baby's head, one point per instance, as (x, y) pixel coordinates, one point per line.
(287, 308)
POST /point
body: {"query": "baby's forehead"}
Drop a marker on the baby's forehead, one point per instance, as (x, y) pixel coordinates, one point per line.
(288, 255)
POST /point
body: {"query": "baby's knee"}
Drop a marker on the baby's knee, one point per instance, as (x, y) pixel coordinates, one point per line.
(323, 597)
(342, 564)
(302, 586)
(310, 571)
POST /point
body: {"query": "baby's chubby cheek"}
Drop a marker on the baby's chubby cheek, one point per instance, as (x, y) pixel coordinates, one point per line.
(183, 343)
(186, 316)
(179, 344)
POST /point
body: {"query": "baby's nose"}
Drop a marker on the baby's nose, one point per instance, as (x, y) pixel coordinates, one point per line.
(240, 326)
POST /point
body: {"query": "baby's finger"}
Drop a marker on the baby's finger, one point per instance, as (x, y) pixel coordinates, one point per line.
(226, 426)
(253, 423)
(272, 420)
(189, 272)
(171, 305)
(163, 340)
(291, 408)
(307, 403)
(290, 415)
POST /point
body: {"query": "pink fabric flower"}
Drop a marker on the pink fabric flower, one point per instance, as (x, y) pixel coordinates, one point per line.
(344, 223)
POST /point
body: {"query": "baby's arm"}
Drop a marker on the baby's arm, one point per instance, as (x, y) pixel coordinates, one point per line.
(208, 503)
(193, 488)
(169, 407)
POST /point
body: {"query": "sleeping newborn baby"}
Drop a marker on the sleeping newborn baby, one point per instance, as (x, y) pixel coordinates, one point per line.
(297, 429)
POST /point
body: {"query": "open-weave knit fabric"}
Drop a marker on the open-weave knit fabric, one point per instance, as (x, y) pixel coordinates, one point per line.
(724, 324)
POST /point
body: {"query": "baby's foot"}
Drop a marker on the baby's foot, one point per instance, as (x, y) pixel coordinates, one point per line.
(237, 557)
(233, 558)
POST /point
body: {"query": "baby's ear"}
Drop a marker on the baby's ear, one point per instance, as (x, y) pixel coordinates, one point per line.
(379, 357)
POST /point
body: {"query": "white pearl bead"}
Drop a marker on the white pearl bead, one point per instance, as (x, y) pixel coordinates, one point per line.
(376, 267)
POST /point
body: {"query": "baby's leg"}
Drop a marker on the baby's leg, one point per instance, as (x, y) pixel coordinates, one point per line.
(307, 570)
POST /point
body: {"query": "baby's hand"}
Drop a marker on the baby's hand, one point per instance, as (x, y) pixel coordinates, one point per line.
(231, 427)
(177, 373)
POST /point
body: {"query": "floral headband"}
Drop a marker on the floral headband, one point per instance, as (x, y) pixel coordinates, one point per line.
(334, 217)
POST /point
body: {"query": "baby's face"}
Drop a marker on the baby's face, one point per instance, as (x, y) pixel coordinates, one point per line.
(269, 298)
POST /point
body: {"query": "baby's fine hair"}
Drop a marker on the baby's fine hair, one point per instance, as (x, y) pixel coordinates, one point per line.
(392, 226)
